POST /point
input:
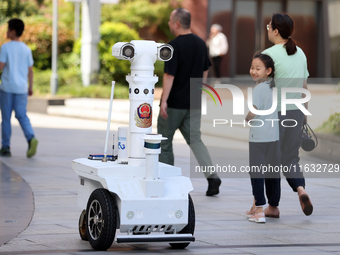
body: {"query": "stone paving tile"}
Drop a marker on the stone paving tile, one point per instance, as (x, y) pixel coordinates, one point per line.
(284, 251)
(221, 227)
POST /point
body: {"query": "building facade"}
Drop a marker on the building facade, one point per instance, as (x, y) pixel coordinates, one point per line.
(317, 30)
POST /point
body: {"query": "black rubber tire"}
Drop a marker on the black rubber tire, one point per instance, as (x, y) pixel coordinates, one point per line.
(101, 219)
(82, 226)
(189, 228)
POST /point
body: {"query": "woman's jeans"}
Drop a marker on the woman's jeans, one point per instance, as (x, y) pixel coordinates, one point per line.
(290, 142)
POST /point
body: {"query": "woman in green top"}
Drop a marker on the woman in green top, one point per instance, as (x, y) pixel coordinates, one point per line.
(291, 71)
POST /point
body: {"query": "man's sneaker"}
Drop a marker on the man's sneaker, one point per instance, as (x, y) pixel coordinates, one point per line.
(5, 152)
(32, 147)
(214, 183)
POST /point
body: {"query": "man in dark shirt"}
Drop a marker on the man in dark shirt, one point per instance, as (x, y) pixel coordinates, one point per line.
(190, 60)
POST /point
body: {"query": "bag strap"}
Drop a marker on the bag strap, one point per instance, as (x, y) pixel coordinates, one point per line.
(308, 130)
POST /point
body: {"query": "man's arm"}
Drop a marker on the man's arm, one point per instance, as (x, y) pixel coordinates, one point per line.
(205, 76)
(2, 65)
(30, 81)
(167, 85)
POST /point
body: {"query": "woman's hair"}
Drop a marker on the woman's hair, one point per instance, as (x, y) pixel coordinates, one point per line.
(268, 63)
(285, 25)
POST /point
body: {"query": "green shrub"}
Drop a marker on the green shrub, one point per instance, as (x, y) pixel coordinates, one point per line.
(70, 85)
(94, 91)
(150, 18)
(69, 77)
(111, 67)
(41, 82)
(159, 71)
(66, 78)
(332, 125)
(38, 36)
(69, 60)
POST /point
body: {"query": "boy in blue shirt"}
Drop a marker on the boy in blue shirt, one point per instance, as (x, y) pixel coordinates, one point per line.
(16, 62)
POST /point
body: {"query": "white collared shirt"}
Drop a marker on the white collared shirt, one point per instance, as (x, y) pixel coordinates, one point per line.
(218, 45)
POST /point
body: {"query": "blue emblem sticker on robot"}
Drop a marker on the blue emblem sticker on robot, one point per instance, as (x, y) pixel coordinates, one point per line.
(121, 146)
(143, 115)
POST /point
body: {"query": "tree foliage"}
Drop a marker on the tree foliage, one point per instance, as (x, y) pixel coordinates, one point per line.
(126, 21)
(17, 8)
(38, 36)
(147, 17)
(112, 32)
(332, 125)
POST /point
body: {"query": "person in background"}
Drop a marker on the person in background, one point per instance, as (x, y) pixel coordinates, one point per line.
(218, 47)
(190, 60)
(16, 62)
(291, 71)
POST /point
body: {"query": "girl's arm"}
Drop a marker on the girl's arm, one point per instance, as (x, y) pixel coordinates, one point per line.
(250, 115)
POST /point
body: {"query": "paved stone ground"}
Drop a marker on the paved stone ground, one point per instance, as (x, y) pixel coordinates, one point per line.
(221, 227)
(16, 200)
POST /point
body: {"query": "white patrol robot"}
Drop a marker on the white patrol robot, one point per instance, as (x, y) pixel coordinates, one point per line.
(146, 200)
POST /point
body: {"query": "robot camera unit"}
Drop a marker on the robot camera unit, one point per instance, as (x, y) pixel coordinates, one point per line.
(164, 52)
(124, 50)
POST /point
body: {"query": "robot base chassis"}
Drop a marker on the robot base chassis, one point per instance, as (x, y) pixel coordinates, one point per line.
(117, 196)
(146, 200)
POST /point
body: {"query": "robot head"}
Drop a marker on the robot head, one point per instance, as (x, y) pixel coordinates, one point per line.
(123, 50)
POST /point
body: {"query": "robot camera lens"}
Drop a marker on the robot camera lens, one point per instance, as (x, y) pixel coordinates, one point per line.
(128, 51)
(165, 53)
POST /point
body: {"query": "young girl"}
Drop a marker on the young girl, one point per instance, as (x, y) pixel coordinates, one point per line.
(264, 153)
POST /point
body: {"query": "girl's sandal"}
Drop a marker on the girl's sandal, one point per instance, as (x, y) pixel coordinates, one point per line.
(258, 218)
(251, 212)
